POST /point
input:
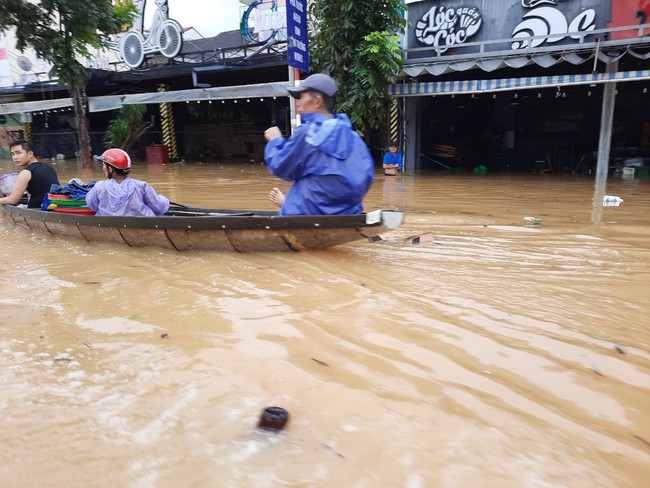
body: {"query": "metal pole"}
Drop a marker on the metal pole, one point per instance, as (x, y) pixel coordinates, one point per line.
(604, 144)
(294, 77)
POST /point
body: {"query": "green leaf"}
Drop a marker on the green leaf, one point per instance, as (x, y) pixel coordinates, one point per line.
(357, 43)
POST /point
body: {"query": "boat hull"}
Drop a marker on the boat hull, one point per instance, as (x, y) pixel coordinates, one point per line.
(199, 229)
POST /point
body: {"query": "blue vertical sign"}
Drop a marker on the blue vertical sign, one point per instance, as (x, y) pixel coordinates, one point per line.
(297, 40)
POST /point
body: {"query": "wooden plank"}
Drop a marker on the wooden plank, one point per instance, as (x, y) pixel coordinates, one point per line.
(94, 233)
(320, 239)
(37, 225)
(146, 237)
(59, 229)
(200, 240)
(260, 240)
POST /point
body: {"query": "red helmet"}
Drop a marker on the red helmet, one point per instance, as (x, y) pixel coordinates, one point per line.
(117, 159)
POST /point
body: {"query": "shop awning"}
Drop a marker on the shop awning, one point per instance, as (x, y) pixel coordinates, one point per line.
(509, 84)
(112, 102)
(35, 106)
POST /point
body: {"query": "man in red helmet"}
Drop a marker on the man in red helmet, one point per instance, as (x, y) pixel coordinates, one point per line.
(121, 195)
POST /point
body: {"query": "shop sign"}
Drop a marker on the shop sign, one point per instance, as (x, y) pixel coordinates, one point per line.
(263, 21)
(441, 24)
(546, 19)
(441, 27)
(297, 41)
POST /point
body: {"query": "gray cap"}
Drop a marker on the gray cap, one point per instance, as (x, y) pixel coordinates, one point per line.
(319, 82)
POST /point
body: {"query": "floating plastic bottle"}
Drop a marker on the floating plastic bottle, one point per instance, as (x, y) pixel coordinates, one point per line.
(612, 201)
(533, 220)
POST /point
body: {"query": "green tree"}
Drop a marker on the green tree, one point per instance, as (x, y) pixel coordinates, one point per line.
(62, 32)
(356, 42)
(127, 127)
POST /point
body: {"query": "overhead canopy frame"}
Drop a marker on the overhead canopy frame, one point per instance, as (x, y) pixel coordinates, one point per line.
(113, 102)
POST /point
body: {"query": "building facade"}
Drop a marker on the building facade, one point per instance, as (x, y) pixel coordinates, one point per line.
(506, 85)
(521, 84)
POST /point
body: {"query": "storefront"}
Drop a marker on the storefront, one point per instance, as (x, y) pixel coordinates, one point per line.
(520, 85)
(209, 99)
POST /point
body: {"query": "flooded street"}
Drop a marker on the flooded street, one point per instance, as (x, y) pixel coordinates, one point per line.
(499, 351)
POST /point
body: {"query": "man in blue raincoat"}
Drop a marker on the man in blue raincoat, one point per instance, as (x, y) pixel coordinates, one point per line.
(327, 160)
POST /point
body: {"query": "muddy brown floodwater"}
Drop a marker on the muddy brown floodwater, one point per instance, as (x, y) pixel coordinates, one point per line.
(494, 353)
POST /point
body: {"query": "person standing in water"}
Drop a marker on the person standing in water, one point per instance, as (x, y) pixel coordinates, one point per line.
(393, 161)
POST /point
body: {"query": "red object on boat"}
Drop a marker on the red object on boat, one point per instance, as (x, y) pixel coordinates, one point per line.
(57, 196)
(83, 211)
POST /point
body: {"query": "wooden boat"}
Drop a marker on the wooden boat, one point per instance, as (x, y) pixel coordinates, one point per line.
(187, 228)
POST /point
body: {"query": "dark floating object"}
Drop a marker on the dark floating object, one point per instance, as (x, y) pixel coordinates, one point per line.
(420, 239)
(273, 418)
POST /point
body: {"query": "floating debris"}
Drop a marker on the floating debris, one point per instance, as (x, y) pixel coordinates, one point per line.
(333, 451)
(612, 201)
(533, 220)
(419, 239)
(596, 370)
(273, 418)
(320, 361)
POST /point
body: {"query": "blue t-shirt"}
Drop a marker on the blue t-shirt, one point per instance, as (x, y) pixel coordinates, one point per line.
(390, 158)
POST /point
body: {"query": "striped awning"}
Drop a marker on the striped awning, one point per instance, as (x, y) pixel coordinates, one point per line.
(509, 84)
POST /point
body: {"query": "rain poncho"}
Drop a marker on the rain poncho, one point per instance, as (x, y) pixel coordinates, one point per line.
(130, 198)
(328, 162)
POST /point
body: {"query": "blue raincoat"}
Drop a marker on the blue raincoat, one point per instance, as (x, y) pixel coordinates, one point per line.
(328, 162)
(129, 198)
